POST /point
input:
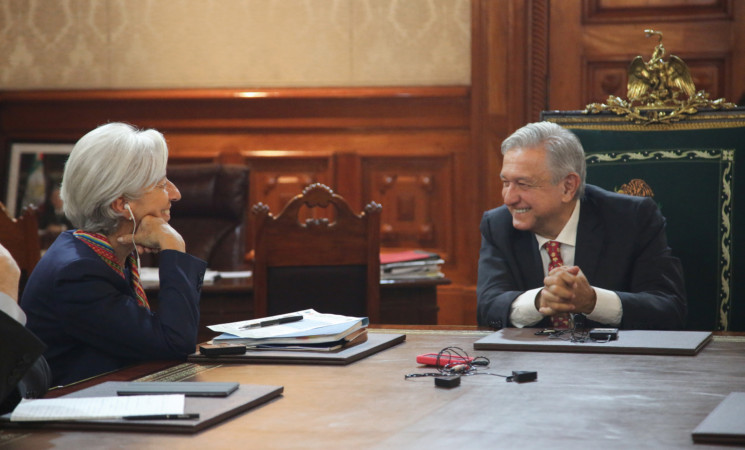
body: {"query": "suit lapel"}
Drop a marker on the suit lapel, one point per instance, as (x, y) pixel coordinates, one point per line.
(590, 237)
(525, 245)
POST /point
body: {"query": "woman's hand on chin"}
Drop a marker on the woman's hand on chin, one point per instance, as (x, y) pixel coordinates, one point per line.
(155, 234)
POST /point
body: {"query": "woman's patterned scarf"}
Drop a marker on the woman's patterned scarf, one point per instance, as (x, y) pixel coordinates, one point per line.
(100, 244)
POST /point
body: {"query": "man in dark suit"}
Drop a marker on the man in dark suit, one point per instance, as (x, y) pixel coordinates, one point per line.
(23, 371)
(558, 247)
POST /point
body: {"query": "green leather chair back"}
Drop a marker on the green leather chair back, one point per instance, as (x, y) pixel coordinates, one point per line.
(689, 168)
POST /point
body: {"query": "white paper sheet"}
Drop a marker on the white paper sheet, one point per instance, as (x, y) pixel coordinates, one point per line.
(97, 407)
(151, 275)
(235, 274)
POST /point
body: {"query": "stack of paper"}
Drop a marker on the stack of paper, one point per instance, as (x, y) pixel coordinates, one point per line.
(410, 264)
(315, 332)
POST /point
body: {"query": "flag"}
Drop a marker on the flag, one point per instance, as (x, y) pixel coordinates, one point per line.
(36, 186)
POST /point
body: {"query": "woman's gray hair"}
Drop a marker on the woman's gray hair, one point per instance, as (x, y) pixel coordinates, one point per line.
(565, 152)
(114, 160)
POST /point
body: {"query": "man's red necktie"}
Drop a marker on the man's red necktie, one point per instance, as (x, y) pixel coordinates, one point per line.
(560, 320)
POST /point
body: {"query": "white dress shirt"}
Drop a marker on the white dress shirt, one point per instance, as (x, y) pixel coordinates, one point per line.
(11, 308)
(608, 309)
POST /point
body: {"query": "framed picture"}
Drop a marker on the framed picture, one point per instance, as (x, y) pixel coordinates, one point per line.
(34, 176)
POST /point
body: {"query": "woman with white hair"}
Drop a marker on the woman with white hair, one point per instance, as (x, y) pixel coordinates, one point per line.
(84, 299)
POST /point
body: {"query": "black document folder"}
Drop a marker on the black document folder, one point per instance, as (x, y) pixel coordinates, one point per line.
(647, 342)
(188, 388)
(724, 425)
(375, 343)
(211, 410)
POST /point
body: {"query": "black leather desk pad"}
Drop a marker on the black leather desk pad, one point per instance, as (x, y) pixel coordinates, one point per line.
(375, 343)
(212, 410)
(725, 424)
(629, 341)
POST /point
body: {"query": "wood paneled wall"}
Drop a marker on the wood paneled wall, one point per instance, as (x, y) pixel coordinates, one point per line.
(536, 55)
(429, 155)
(401, 147)
(593, 41)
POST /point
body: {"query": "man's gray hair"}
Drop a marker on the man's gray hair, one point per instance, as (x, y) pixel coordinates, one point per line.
(565, 152)
(112, 161)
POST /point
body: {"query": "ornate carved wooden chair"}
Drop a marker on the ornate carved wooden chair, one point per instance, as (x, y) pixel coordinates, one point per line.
(330, 265)
(21, 237)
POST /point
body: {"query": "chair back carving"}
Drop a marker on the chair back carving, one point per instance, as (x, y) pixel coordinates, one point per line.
(21, 237)
(331, 265)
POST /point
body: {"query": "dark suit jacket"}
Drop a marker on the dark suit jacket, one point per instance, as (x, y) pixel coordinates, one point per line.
(621, 246)
(88, 316)
(23, 371)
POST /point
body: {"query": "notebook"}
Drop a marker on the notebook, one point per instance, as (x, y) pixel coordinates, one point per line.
(188, 388)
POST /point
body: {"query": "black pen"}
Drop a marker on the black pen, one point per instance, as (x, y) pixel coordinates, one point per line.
(163, 417)
(268, 323)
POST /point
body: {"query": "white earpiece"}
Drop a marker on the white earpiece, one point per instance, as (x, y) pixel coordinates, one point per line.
(128, 208)
(131, 214)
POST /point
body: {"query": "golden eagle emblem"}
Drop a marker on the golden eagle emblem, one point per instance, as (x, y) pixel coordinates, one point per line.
(636, 187)
(658, 79)
(659, 91)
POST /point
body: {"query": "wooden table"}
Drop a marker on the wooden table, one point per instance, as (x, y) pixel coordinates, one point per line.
(230, 300)
(580, 400)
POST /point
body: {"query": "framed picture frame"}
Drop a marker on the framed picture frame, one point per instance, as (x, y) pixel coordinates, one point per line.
(34, 166)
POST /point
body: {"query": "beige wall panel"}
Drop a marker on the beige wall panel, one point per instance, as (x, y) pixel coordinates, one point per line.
(187, 43)
(59, 43)
(89, 44)
(409, 41)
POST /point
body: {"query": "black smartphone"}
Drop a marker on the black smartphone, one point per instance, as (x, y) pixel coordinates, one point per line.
(222, 349)
(604, 334)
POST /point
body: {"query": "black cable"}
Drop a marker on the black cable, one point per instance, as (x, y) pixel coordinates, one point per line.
(465, 365)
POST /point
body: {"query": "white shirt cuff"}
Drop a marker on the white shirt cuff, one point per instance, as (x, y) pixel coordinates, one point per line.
(523, 312)
(608, 308)
(11, 308)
